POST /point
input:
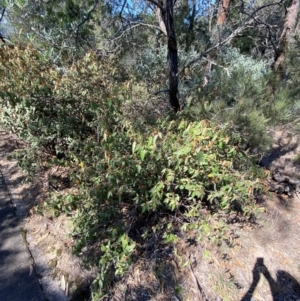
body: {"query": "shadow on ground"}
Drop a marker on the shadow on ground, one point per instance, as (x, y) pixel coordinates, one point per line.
(275, 153)
(18, 200)
(284, 287)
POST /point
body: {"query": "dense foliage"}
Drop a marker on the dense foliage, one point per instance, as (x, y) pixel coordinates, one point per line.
(91, 97)
(72, 117)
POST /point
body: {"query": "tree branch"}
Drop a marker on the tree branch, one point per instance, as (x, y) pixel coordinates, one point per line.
(85, 20)
(1, 18)
(160, 20)
(248, 21)
(261, 7)
(156, 4)
(2, 14)
(123, 6)
(161, 91)
(225, 41)
(132, 26)
(212, 62)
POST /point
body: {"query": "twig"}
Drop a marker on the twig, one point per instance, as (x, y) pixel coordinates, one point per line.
(216, 64)
(200, 291)
(123, 6)
(86, 19)
(161, 91)
(136, 24)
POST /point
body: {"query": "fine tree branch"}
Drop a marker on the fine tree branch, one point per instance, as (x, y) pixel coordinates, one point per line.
(225, 41)
(145, 24)
(261, 7)
(85, 20)
(258, 21)
(212, 62)
(248, 21)
(132, 26)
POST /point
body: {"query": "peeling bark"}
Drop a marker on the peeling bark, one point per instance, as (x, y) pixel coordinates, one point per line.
(165, 17)
(288, 30)
(160, 20)
(168, 16)
(223, 12)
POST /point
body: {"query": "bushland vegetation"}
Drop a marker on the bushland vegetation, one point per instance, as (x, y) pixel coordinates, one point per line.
(156, 109)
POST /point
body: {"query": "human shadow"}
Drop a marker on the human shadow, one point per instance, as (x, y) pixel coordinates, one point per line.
(285, 287)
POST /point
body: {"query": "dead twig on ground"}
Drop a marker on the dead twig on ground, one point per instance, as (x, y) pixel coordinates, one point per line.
(200, 290)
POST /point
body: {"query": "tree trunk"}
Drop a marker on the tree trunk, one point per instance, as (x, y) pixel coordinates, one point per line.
(160, 20)
(288, 29)
(1, 19)
(190, 37)
(168, 17)
(222, 16)
(165, 18)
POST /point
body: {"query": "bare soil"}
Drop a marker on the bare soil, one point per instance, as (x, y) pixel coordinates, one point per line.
(61, 274)
(256, 261)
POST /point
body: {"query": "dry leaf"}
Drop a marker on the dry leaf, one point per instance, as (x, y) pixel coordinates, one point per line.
(30, 269)
(42, 238)
(67, 289)
(63, 283)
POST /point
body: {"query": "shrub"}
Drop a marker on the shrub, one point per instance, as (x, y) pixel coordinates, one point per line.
(57, 110)
(179, 168)
(175, 167)
(240, 91)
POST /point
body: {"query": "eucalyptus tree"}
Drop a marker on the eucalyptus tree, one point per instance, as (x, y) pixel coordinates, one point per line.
(2, 13)
(286, 34)
(64, 29)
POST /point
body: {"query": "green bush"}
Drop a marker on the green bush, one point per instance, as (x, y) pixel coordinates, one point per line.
(57, 110)
(174, 167)
(240, 91)
(180, 167)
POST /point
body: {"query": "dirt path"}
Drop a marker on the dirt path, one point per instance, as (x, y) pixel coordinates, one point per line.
(18, 280)
(60, 273)
(262, 262)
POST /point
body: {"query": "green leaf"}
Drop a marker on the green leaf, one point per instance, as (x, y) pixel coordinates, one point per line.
(133, 147)
(142, 154)
(170, 238)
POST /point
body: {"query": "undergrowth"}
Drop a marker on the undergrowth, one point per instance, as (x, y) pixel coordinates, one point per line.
(175, 168)
(243, 91)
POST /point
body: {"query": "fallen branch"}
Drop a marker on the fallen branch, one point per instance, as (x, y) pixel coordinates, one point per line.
(200, 291)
